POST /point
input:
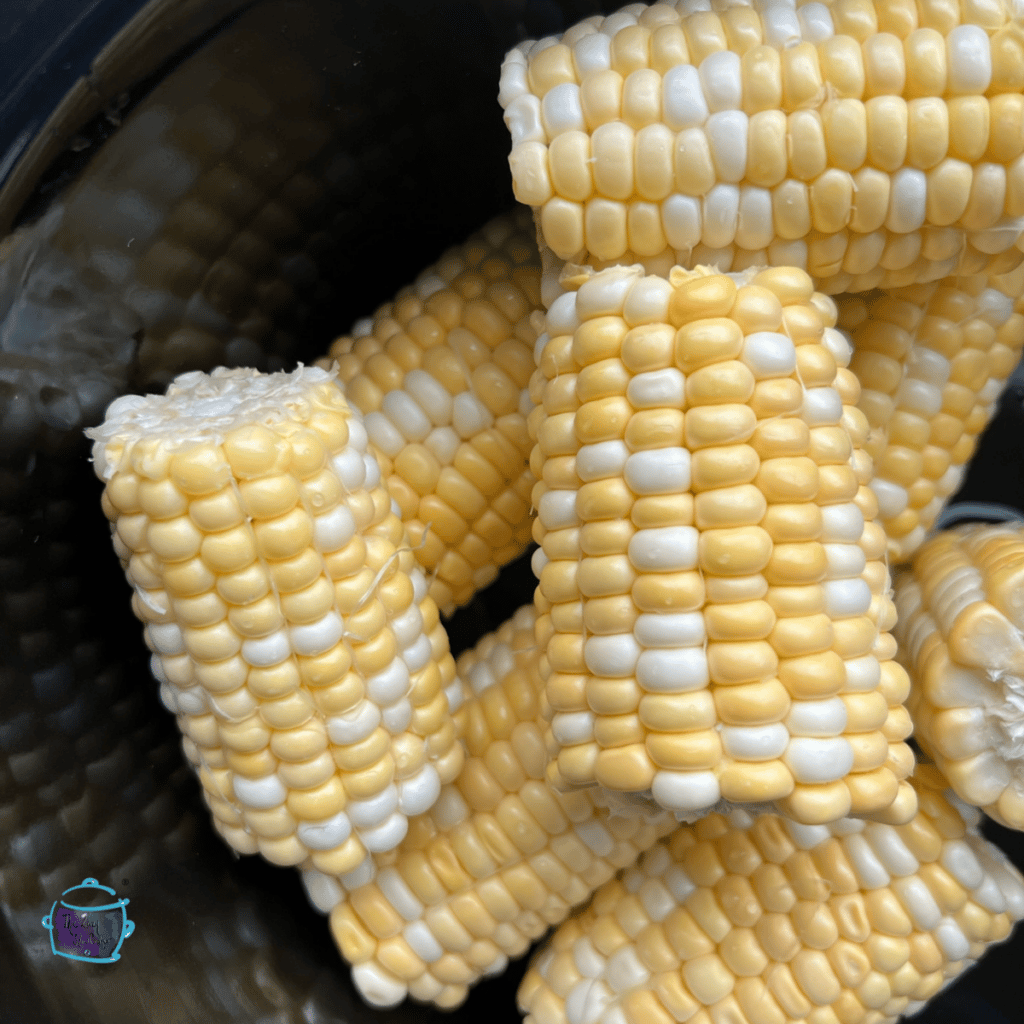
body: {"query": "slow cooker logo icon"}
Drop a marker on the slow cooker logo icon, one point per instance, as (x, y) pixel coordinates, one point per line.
(84, 925)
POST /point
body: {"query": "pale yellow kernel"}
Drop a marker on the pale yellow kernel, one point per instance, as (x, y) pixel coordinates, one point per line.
(767, 148)
(871, 200)
(842, 66)
(653, 158)
(831, 201)
(605, 228)
(668, 48)
(601, 98)
(625, 768)
(641, 96)
(552, 66)
(928, 132)
(808, 156)
(699, 296)
(630, 49)
(845, 125)
(755, 782)
(761, 71)
(924, 53)
(884, 68)
(968, 127)
(704, 35)
(644, 231)
(693, 164)
(949, 191)
(887, 128)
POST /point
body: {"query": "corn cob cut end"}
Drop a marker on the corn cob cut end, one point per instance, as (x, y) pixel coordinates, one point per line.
(961, 638)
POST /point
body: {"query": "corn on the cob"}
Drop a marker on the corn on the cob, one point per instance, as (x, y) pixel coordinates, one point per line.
(869, 148)
(932, 361)
(961, 617)
(440, 375)
(498, 859)
(291, 629)
(760, 921)
(712, 579)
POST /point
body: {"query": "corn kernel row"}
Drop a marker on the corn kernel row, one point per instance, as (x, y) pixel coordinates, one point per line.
(497, 860)
(869, 160)
(291, 629)
(761, 921)
(932, 361)
(712, 581)
(440, 375)
(961, 617)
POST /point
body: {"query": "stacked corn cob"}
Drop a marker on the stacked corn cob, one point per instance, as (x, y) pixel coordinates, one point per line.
(713, 585)
(440, 375)
(291, 629)
(874, 145)
(762, 921)
(961, 617)
(498, 860)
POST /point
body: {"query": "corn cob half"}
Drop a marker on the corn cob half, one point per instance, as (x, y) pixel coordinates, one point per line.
(498, 859)
(291, 628)
(871, 147)
(712, 579)
(440, 375)
(761, 921)
(961, 617)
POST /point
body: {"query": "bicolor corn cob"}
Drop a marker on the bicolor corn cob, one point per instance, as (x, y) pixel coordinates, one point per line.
(500, 857)
(874, 145)
(760, 921)
(871, 144)
(440, 375)
(712, 579)
(932, 361)
(291, 628)
(961, 617)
